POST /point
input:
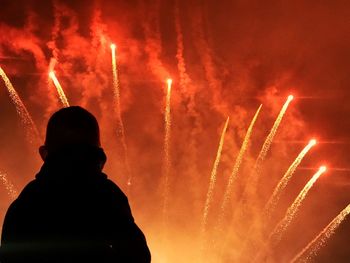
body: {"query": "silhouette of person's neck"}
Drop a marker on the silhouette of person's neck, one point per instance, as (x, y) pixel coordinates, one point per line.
(73, 162)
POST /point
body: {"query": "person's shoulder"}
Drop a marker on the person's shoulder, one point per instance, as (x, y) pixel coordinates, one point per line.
(22, 199)
(114, 188)
(31, 188)
(116, 197)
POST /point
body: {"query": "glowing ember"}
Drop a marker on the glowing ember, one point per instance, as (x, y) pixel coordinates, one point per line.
(271, 204)
(26, 119)
(319, 241)
(60, 91)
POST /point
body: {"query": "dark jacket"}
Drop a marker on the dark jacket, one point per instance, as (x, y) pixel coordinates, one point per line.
(71, 212)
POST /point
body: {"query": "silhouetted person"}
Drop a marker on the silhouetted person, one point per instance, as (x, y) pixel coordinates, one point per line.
(71, 212)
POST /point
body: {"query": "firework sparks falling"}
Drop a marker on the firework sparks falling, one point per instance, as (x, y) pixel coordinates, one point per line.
(319, 241)
(115, 76)
(254, 176)
(167, 160)
(213, 179)
(271, 204)
(120, 129)
(60, 91)
(277, 233)
(267, 144)
(26, 119)
(228, 191)
(9, 186)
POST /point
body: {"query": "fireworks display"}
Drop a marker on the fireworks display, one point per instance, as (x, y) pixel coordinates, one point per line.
(228, 60)
(167, 160)
(272, 203)
(281, 227)
(319, 241)
(268, 141)
(120, 129)
(60, 91)
(27, 121)
(238, 162)
(213, 177)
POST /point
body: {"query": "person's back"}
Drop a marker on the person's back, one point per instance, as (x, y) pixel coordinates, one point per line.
(71, 212)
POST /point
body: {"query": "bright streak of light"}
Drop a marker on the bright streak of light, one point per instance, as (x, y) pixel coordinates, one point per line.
(319, 241)
(323, 169)
(213, 178)
(268, 141)
(60, 91)
(21, 109)
(272, 203)
(115, 74)
(237, 164)
(120, 129)
(169, 82)
(293, 209)
(167, 159)
(9, 186)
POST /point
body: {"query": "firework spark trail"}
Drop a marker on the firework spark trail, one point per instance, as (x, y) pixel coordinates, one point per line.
(272, 202)
(228, 191)
(268, 141)
(167, 159)
(121, 130)
(319, 241)
(26, 119)
(9, 186)
(60, 91)
(213, 179)
(281, 227)
(249, 192)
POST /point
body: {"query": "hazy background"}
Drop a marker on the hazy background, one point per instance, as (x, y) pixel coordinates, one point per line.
(225, 58)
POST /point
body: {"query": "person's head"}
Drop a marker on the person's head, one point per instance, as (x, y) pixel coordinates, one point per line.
(70, 126)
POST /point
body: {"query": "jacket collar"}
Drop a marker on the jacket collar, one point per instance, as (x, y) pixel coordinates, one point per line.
(73, 162)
